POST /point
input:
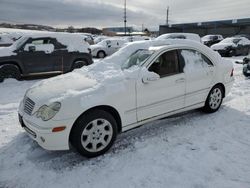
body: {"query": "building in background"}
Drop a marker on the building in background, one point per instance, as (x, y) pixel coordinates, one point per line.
(120, 31)
(223, 27)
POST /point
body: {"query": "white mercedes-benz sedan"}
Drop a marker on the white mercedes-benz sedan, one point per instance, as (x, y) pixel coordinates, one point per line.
(142, 82)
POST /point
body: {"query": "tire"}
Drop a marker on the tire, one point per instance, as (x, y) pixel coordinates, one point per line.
(79, 64)
(9, 71)
(101, 54)
(94, 133)
(214, 99)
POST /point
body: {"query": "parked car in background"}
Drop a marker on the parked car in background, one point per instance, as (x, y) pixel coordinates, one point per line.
(106, 47)
(243, 35)
(209, 40)
(87, 37)
(5, 40)
(45, 53)
(190, 36)
(142, 82)
(232, 46)
(136, 38)
(99, 39)
(246, 66)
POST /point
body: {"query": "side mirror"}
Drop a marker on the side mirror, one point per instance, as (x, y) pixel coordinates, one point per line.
(150, 77)
(29, 48)
(32, 48)
(109, 45)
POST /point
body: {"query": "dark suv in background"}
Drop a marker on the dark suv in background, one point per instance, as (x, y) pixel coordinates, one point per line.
(209, 40)
(44, 54)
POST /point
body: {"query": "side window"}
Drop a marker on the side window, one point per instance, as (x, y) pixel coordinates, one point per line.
(37, 42)
(41, 41)
(166, 64)
(194, 60)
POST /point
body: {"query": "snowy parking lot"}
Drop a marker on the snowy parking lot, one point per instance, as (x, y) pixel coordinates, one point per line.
(189, 150)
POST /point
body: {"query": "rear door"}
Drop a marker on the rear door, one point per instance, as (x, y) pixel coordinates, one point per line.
(199, 72)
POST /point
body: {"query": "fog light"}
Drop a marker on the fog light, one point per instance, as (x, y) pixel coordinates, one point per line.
(42, 139)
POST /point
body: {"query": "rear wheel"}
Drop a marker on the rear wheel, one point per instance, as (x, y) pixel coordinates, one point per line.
(94, 133)
(79, 64)
(214, 99)
(9, 71)
(101, 54)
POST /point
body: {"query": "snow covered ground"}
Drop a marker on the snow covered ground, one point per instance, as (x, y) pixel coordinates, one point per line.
(189, 150)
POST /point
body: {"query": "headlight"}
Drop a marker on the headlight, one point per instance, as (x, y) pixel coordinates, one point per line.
(47, 112)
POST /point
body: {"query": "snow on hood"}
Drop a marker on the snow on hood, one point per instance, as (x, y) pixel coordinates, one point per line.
(61, 86)
(95, 46)
(6, 51)
(221, 46)
(102, 74)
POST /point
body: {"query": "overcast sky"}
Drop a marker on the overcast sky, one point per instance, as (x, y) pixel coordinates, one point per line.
(104, 13)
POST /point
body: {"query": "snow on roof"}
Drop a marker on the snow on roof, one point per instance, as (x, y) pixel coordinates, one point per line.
(74, 42)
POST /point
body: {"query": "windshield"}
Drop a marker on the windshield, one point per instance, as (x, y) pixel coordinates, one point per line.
(104, 42)
(230, 40)
(137, 58)
(20, 42)
(207, 37)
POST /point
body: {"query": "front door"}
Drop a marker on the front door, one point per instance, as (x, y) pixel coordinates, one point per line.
(36, 56)
(165, 94)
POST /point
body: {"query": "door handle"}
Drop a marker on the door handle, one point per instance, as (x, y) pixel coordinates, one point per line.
(181, 80)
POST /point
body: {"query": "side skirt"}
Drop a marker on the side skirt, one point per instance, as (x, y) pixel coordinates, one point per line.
(134, 125)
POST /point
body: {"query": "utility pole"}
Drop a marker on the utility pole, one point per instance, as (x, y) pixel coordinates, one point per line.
(125, 17)
(167, 16)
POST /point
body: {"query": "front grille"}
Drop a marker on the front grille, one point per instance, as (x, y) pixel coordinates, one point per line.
(28, 105)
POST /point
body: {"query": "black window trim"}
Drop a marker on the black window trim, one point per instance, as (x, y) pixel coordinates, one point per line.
(162, 52)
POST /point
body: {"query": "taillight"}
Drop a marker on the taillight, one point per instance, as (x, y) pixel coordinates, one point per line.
(232, 73)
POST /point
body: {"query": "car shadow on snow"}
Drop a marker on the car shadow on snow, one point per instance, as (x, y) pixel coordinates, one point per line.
(23, 149)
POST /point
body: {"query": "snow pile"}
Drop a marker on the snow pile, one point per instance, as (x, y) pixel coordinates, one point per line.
(230, 41)
(5, 39)
(244, 41)
(189, 36)
(193, 61)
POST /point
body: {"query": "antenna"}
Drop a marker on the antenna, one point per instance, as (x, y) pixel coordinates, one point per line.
(167, 15)
(125, 17)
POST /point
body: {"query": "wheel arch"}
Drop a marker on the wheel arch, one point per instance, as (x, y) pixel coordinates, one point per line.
(223, 88)
(106, 108)
(12, 63)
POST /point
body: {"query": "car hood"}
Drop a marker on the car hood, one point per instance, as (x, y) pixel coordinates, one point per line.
(60, 87)
(221, 46)
(6, 51)
(95, 46)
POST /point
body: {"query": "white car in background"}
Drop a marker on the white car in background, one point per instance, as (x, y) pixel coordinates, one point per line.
(106, 47)
(100, 38)
(136, 38)
(142, 82)
(190, 36)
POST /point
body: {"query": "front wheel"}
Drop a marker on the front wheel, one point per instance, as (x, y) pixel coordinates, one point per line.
(94, 133)
(214, 99)
(9, 71)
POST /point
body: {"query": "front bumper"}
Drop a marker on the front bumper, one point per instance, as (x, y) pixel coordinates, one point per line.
(223, 53)
(45, 137)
